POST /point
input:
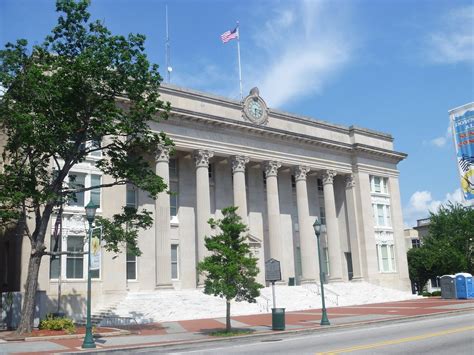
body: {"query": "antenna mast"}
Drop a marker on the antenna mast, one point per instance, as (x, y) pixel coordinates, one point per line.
(169, 69)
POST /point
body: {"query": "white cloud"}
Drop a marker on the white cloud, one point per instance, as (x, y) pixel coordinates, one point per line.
(453, 41)
(304, 45)
(422, 203)
(442, 140)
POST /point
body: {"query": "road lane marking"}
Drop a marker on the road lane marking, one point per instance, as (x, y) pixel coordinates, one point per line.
(396, 341)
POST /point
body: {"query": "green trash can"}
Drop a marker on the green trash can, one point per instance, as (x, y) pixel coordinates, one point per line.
(278, 319)
(291, 281)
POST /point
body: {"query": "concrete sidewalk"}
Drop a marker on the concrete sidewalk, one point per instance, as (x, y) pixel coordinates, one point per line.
(198, 330)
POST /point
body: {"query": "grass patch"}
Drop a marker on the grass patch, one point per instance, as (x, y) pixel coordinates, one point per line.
(231, 333)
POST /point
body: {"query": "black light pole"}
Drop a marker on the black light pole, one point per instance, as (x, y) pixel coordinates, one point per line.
(317, 231)
(89, 343)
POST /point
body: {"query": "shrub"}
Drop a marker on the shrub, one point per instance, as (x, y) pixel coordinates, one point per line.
(436, 293)
(57, 323)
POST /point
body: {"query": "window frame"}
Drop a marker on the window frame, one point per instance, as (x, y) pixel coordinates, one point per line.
(176, 262)
(390, 258)
(129, 261)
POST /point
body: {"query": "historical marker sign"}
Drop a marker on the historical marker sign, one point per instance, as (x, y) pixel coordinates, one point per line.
(272, 270)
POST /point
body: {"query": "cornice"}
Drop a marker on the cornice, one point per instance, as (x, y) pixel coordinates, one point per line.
(218, 121)
(178, 114)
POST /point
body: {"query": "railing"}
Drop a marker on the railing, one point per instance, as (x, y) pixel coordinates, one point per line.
(328, 294)
(332, 296)
(264, 305)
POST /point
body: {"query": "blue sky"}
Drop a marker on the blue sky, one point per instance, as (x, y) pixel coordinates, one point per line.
(395, 66)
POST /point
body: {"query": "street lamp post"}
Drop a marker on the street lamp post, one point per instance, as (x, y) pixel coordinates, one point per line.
(317, 231)
(89, 343)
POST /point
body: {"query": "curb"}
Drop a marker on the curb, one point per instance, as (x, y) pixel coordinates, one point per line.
(116, 332)
(271, 333)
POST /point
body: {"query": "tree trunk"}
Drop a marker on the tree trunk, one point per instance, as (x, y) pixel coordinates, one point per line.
(228, 327)
(28, 309)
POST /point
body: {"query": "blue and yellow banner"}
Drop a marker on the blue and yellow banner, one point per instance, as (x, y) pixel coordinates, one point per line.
(463, 131)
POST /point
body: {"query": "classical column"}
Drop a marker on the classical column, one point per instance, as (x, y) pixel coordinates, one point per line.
(240, 192)
(332, 228)
(273, 209)
(203, 200)
(309, 260)
(353, 226)
(162, 223)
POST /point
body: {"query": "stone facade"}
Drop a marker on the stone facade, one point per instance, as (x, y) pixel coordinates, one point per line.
(282, 172)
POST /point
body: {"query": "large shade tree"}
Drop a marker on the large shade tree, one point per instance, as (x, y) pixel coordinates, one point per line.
(449, 246)
(81, 91)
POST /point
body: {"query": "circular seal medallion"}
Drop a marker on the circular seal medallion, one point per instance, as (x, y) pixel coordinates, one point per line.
(254, 108)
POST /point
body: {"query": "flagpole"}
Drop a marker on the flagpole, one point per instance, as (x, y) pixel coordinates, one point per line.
(238, 55)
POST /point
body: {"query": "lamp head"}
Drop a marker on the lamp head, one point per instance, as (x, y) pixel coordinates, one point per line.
(91, 208)
(317, 227)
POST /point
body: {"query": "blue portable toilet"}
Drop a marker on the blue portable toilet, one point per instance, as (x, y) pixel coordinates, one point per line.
(464, 287)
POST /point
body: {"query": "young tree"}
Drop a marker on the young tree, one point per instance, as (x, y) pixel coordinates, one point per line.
(83, 90)
(231, 269)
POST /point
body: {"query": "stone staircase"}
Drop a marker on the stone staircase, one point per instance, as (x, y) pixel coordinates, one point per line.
(98, 316)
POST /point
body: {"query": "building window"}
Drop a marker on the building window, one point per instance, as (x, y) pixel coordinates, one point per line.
(174, 262)
(131, 266)
(173, 198)
(382, 216)
(95, 144)
(55, 260)
(131, 197)
(386, 257)
(378, 185)
(210, 170)
(320, 186)
(173, 168)
(173, 188)
(322, 215)
(415, 243)
(75, 262)
(77, 181)
(95, 193)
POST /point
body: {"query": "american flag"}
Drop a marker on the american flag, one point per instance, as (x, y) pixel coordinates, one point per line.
(229, 35)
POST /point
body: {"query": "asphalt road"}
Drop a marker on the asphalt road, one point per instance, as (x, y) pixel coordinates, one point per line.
(447, 334)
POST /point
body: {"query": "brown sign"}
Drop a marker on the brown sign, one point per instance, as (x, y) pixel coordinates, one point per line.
(272, 270)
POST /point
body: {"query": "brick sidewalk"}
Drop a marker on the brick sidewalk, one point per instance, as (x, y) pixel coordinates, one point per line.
(198, 330)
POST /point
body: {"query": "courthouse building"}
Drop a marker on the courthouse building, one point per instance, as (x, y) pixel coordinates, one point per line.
(281, 170)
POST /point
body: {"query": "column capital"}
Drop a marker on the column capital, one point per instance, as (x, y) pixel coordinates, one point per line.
(350, 181)
(162, 153)
(271, 168)
(328, 176)
(300, 172)
(201, 157)
(238, 163)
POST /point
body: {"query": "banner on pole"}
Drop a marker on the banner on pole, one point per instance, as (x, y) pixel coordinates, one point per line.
(462, 123)
(95, 248)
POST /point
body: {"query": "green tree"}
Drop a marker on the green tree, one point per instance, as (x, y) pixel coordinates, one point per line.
(231, 269)
(454, 223)
(81, 91)
(448, 248)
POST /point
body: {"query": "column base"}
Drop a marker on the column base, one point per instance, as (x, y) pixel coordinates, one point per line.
(335, 279)
(164, 287)
(357, 279)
